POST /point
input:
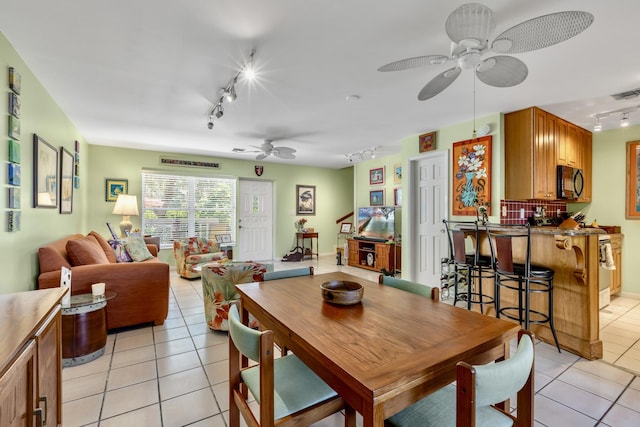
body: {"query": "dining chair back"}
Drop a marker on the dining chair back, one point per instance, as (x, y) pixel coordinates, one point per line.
(293, 272)
(479, 396)
(413, 287)
(287, 391)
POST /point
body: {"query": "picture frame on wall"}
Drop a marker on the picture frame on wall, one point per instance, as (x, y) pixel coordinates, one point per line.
(376, 198)
(15, 81)
(305, 199)
(397, 173)
(66, 181)
(633, 181)
(14, 151)
(45, 180)
(14, 104)
(113, 187)
(376, 176)
(427, 142)
(345, 227)
(397, 197)
(14, 198)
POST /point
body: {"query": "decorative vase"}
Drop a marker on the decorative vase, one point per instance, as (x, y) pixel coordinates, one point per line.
(468, 193)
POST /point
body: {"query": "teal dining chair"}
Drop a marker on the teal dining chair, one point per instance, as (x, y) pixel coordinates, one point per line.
(413, 287)
(478, 397)
(293, 272)
(287, 391)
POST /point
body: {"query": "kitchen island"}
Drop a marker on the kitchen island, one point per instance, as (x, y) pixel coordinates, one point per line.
(574, 256)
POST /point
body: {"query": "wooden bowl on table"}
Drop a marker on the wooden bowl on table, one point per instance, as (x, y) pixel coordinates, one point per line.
(342, 292)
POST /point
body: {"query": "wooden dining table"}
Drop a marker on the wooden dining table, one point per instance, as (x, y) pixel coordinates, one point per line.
(382, 354)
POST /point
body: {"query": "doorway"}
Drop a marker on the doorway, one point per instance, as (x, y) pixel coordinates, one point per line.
(427, 207)
(255, 220)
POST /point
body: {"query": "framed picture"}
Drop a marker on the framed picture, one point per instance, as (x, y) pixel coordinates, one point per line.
(471, 176)
(397, 197)
(15, 82)
(14, 198)
(633, 180)
(14, 127)
(45, 179)
(66, 181)
(13, 220)
(112, 231)
(427, 142)
(225, 238)
(113, 187)
(14, 151)
(397, 173)
(345, 227)
(14, 174)
(376, 198)
(376, 176)
(305, 199)
(14, 104)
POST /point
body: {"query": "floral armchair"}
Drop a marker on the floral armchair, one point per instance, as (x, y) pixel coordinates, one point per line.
(194, 252)
(218, 289)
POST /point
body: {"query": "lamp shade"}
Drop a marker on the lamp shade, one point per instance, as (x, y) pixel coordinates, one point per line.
(126, 205)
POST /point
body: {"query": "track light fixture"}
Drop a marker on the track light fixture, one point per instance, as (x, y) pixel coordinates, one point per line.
(228, 92)
(362, 154)
(598, 126)
(624, 120)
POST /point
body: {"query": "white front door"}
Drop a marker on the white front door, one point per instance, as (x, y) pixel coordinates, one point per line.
(255, 221)
(428, 204)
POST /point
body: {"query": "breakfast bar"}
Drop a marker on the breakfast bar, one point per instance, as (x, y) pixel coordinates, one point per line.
(574, 256)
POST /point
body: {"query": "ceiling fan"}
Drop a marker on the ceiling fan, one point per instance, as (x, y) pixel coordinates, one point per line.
(469, 28)
(266, 149)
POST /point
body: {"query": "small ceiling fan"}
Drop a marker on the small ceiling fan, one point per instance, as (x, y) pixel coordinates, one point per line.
(469, 28)
(266, 149)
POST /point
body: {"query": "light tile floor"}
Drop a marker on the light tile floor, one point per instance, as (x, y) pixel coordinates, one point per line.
(177, 374)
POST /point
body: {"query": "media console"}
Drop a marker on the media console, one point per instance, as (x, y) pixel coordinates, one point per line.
(373, 255)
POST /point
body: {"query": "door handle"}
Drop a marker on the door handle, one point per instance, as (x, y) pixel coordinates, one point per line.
(38, 413)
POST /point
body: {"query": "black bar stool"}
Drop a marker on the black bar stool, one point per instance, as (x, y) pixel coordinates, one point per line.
(522, 277)
(469, 266)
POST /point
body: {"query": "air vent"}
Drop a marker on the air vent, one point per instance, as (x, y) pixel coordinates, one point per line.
(626, 95)
(189, 163)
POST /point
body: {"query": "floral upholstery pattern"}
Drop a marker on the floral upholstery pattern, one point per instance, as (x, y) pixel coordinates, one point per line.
(194, 252)
(218, 289)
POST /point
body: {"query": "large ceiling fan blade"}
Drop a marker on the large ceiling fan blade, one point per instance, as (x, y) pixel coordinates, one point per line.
(541, 32)
(470, 21)
(502, 71)
(415, 62)
(262, 156)
(439, 83)
(282, 150)
(284, 155)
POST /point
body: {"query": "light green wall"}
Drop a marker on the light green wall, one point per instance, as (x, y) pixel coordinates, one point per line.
(334, 191)
(39, 114)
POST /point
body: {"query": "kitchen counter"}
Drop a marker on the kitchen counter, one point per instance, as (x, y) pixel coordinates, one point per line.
(574, 256)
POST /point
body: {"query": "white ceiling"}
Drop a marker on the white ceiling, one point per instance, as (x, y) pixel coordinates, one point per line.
(146, 73)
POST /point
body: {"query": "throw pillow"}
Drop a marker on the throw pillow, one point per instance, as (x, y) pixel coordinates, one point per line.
(119, 251)
(85, 251)
(193, 246)
(104, 245)
(207, 246)
(137, 249)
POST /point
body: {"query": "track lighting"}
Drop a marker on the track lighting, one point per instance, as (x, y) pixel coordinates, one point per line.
(228, 92)
(360, 155)
(598, 126)
(624, 121)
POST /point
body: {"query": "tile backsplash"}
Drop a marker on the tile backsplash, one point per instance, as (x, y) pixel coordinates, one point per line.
(517, 211)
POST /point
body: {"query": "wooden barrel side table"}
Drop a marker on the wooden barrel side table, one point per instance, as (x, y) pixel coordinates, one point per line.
(84, 328)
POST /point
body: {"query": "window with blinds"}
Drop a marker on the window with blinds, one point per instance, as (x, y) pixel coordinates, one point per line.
(179, 206)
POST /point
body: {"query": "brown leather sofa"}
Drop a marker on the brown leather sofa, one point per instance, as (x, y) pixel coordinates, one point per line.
(142, 287)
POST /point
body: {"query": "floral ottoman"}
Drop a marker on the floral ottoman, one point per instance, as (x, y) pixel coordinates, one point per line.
(218, 289)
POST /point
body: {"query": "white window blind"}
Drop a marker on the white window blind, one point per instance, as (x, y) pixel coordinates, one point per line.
(179, 206)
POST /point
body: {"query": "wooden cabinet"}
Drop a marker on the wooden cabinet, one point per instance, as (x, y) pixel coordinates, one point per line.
(31, 359)
(616, 275)
(372, 255)
(535, 143)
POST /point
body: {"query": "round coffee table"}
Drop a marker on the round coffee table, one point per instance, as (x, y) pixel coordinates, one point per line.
(84, 328)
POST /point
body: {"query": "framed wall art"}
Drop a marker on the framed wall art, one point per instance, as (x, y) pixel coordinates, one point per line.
(397, 173)
(345, 227)
(15, 82)
(66, 181)
(376, 198)
(376, 176)
(633, 180)
(397, 197)
(45, 179)
(113, 187)
(427, 142)
(471, 176)
(305, 199)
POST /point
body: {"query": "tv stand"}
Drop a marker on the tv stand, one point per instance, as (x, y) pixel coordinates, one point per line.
(372, 255)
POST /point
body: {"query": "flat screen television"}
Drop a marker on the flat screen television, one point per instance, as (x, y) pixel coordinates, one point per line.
(377, 222)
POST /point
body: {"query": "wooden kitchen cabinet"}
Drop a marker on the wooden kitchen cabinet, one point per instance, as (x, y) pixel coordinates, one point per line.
(615, 285)
(535, 143)
(31, 359)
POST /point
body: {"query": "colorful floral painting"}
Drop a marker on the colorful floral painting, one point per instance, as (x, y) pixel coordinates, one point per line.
(472, 176)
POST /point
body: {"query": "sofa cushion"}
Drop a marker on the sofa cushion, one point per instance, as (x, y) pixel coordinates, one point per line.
(104, 245)
(137, 249)
(85, 251)
(193, 245)
(119, 250)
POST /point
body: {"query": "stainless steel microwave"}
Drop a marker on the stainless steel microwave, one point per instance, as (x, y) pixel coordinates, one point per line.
(570, 182)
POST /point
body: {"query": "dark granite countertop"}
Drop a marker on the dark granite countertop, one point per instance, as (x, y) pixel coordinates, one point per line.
(559, 231)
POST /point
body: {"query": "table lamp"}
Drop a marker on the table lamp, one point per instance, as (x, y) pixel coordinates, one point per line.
(126, 205)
